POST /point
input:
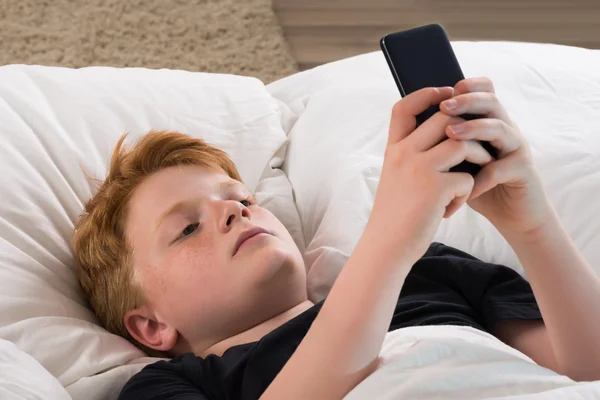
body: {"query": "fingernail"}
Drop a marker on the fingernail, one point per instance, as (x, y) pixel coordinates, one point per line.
(450, 104)
(457, 128)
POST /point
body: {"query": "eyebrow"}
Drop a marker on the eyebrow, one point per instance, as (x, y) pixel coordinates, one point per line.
(184, 204)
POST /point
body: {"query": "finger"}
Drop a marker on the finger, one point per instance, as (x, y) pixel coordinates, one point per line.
(470, 85)
(486, 104)
(460, 186)
(452, 152)
(501, 135)
(432, 131)
(403, 120)
(494, 174)
(455, 205)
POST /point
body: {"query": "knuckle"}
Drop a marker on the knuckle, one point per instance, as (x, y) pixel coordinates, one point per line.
(494, 98)
(439, 115)
(488, 82)
(470, 179)
(504, 127)
(397, 109)
(462, 85)
(431, 91)
(461, 146)
(464, 180)
(395, 154)
(470, 182)
(492, 172)
(456, 120)
(446, 119)
(440, 119)
(467, 180)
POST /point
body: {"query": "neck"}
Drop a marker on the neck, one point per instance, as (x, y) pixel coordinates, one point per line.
(257, 332)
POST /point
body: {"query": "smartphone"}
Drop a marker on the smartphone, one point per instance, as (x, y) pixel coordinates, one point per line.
(423, 57)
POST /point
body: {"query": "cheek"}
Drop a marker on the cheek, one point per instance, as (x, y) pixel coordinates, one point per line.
(193, 270)
(196, 288)
(269, 221)
(285, 235)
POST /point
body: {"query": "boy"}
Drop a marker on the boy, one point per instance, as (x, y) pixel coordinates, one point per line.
(176, 256)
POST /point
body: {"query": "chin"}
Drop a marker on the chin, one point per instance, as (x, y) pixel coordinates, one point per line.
(273, 262)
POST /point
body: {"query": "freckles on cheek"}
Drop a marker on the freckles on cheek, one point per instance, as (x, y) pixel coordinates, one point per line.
(197, 256)
(189, 267)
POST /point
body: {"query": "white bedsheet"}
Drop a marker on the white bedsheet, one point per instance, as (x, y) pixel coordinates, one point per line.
(462, 363)
(23, 378)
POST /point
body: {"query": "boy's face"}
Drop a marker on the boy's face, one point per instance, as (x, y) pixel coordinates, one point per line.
(183, 224)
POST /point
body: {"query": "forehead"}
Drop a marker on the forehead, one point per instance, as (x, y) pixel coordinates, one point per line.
(171, 184)
(173, 177)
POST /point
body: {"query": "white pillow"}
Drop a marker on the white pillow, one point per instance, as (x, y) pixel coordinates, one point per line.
(22, 377)
(337, 144)
(53, 121)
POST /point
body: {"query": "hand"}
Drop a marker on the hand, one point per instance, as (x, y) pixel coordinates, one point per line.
(507, 191)
(415, 189)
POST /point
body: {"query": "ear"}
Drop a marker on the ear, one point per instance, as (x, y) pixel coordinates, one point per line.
(143, 326)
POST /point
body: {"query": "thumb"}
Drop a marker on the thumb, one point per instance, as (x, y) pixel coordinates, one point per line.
(404, 112)
(459, 186)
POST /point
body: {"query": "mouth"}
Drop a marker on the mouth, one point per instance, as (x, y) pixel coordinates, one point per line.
(245, 235)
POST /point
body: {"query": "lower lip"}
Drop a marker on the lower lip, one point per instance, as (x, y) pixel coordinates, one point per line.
(252, 239)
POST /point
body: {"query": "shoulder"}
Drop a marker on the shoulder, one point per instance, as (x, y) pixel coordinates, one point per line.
(166, 380)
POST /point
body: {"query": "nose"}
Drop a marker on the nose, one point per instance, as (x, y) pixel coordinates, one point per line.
(232, 212)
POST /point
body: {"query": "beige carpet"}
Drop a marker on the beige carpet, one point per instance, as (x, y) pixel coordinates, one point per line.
(227, 36)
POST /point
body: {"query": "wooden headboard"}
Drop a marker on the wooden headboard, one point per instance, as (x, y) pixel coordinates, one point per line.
(320, 31)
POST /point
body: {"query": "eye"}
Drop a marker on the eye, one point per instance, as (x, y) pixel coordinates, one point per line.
(248, 201)
(188, 230)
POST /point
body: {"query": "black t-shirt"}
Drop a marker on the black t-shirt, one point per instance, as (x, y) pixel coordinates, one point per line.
(445, 287)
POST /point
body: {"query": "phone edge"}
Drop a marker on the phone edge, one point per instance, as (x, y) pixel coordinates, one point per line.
(391, 66)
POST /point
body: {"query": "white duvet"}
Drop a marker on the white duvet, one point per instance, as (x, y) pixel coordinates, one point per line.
(462, 363)
(311, 147)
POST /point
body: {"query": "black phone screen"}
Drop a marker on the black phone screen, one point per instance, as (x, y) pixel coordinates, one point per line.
(423, 57)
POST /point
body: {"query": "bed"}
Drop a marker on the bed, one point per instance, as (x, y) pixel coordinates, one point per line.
(57, 124)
